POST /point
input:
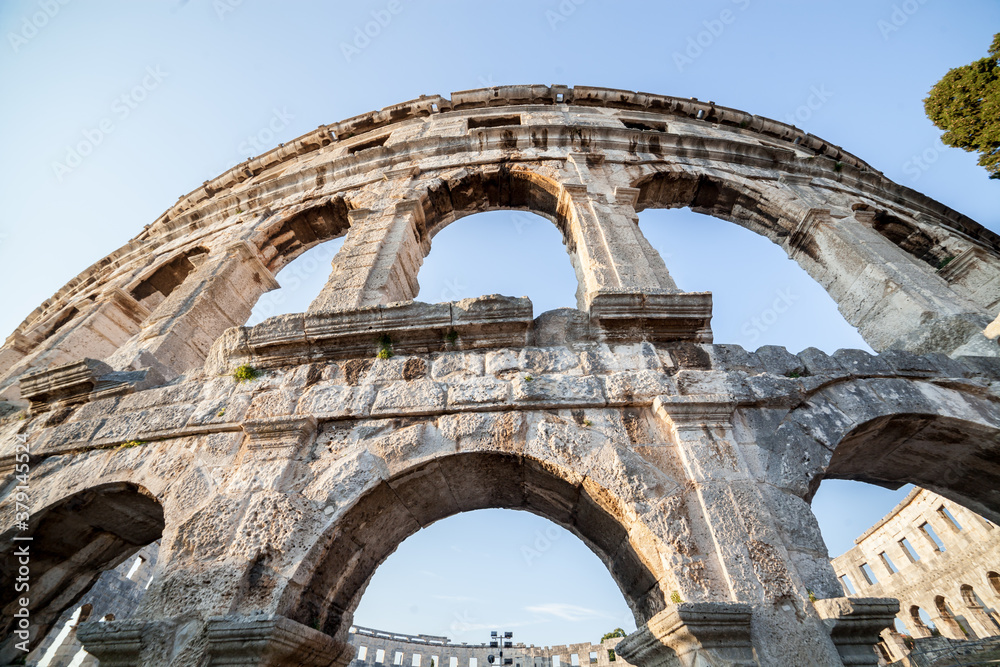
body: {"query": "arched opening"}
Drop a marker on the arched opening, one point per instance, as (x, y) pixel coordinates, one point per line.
(951, 625)
(300, 281)
(846, 509)
(390, 511)
(489, 567)
(73, 542)
(994, 580)
(955, 458)
(514, 253)
(980, 615)
(782, 305)
(921, 624)
(514, 247)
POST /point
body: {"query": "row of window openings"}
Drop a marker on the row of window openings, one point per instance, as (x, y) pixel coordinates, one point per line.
(928, 531)
(904, 544)
(397, 658)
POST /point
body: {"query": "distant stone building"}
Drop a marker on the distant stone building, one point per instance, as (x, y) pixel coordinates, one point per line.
(935, 557)
(375, 648)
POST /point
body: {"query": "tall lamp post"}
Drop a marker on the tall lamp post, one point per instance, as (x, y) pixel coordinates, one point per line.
(500, 640)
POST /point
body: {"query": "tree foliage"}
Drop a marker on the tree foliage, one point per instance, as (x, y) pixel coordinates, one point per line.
(965, 103)
(617, 632)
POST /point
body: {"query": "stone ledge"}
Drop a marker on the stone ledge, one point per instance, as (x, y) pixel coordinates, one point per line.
(271, 641)
(855, 625)
(693, 633)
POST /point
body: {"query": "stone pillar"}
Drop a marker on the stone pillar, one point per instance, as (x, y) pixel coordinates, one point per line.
(856, 625)
(607, 245)
(379, 260)
(756, 565)
(893, 300)
(947, 625)
(219, 294)
(982, 623)
(895, 643)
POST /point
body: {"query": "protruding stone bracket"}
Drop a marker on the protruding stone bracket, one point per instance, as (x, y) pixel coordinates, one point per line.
(288, 431)
(797, 239)
(271, 641)
(71, 382)
(628, 196)
(855, 625)
(685, 412)
(115, 643)
(693, 634)
(664, 317)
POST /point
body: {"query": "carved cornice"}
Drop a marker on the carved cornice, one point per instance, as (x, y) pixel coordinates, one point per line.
(693, 633)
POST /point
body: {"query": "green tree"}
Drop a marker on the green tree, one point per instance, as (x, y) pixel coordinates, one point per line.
(617, 632)
(965, 103)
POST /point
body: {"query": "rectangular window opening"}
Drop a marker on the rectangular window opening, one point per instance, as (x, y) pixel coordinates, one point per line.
(928, 530)
(949, 518)
(416, 660)
(868, 573)
(372, 143)
(646, 125)
(889, 565)
(397, 659)
(494, 121)
(908, 549)
(848, 586)
(593, 657)
(435, 661)
(473, 662)
(363, 653)
(452, 662)
(611, 655)
(380, 656)
(574, 659)
(555, 661)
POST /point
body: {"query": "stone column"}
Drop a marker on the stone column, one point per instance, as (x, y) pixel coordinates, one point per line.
(856, 625)
(982, 623)
(219, 294)
(756, 565)
(607, 245)
(379, 260)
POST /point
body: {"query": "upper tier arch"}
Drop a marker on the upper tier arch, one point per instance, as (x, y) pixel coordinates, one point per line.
(908, 271)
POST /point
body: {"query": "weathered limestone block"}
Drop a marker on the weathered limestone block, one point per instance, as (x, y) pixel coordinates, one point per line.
(693, 634)
(855, 625)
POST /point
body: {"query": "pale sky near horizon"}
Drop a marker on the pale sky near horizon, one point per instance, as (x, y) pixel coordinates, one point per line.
(164, 94)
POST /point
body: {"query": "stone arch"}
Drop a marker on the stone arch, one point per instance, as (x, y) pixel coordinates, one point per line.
(852, 253)
(73, 541)
(983, 624)
(289, 234)
(993, 578)
(347, 555)
(503, 187)
(894, 431)
(916, 624)
(949, 625)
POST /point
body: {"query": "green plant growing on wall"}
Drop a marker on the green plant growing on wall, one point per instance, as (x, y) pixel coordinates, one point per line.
(676, 598)
(245, 373)
(384, 346)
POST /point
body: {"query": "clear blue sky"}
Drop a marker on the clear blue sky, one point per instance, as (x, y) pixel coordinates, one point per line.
(221, 80)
